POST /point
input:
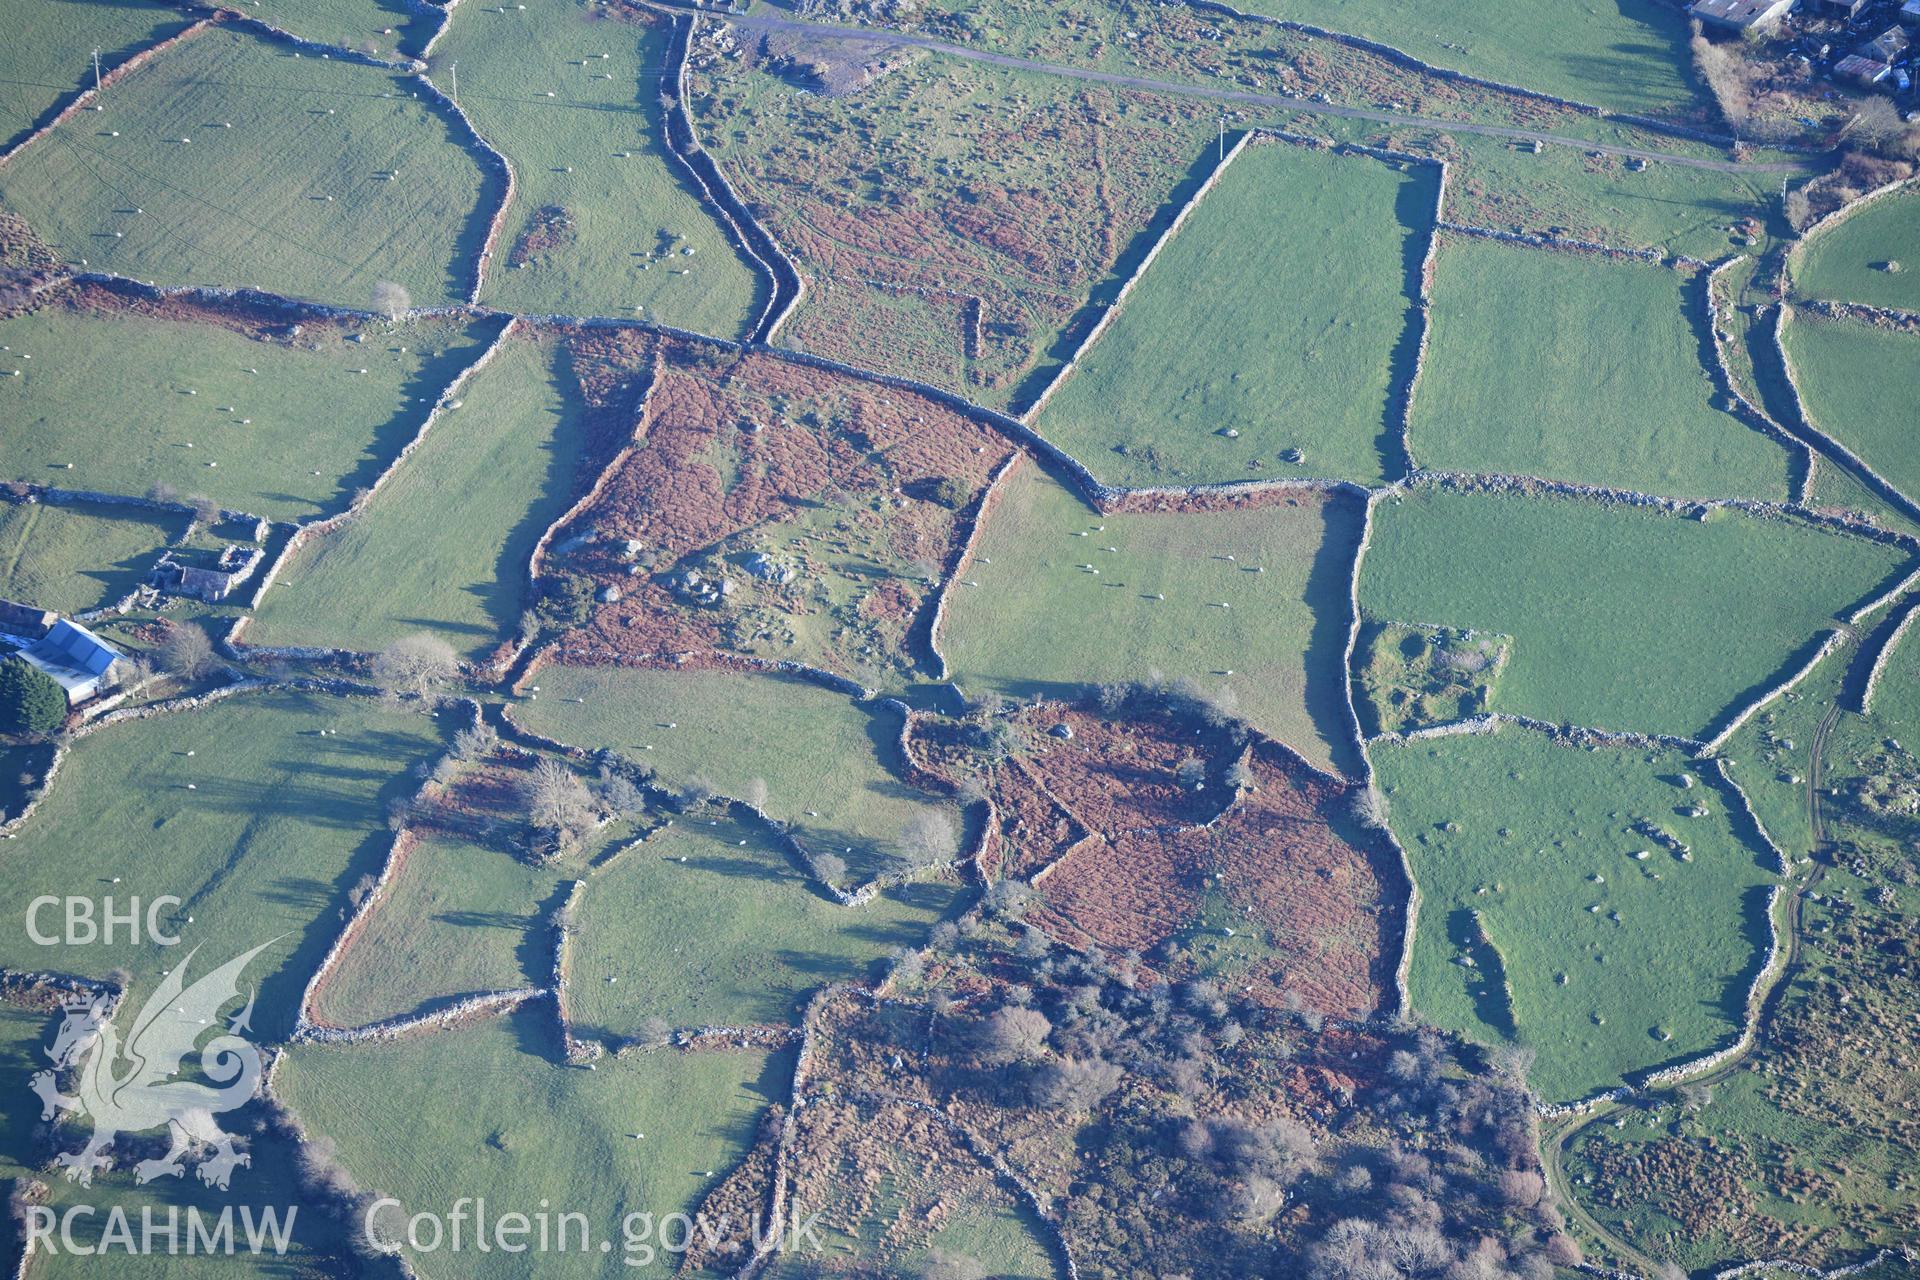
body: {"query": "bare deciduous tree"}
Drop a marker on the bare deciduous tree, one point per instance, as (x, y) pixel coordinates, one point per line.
(186, 651)
(1878, 122)
(619, 796)
(929, 837)
(830, 867)
(1009, 899)
(1076, 1085)
(475, 742)
(1014, 1034)
(1798, 208)
(1726, 73)
(129, 672)
(417, 664)
(1522, 1188)
(557, 800)
(391, 300)
(1367, 806)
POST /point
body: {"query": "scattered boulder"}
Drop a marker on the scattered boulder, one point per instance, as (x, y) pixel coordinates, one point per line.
(767, 569)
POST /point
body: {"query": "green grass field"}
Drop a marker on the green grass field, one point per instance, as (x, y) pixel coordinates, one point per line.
(1532, 836)
(287, 442)
(460, 917)
(1622, 618)
(1810, 1149)
(1771, 756)
(1289, 341)
(488, 1110)
(735, 934)
(1578, 368)
(1039, 623)
(49, 51)
(571, 94)
(1413, 677)
(818, 753)
(295, 197)
(443, 546)
(1860, 385)
(260, 831)
(20, 768)
(1897, 699)
(70, 559)
(1003, 1237)
(1627, 55)
(1496, 183)
(1849, 262)
(385, 28)
(1835, 488)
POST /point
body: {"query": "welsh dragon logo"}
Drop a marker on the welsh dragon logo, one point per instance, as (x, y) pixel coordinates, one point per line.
(129, 1088)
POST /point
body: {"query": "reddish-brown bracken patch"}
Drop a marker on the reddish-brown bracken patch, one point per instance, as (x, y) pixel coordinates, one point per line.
(613, 367)
(1116, 775)
(253, 317)
(1028, 829)
(481, 799)
(1311, 905)
(1155, 831)
(770, 511)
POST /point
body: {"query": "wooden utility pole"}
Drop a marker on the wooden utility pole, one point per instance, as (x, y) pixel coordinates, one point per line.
(96, 72)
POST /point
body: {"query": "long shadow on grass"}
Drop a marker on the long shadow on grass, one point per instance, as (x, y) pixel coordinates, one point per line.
(1698, 309)
(280, 991)
(1731, 1004)
(883, 725)
(503, 598)
(463, 270)
(1485, 981)
(536, 1032)
(1075, 331)
(1740, 820)
(1413, 205)
(539, 941)
(1651, 59)
(18, 765)
(1798, 659)
(659, 125)
(326, 904)
(434, 377)
(1775, 389)
(1854, 688)
(1326, 657)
